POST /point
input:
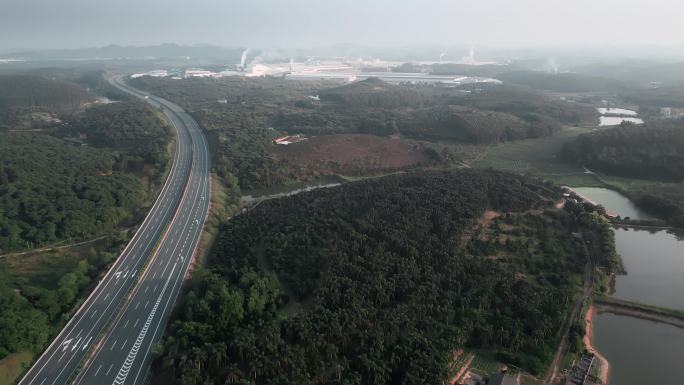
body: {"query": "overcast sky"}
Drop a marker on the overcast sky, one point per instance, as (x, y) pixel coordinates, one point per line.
(30, 24)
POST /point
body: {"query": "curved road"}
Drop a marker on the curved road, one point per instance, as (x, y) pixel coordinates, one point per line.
(109, 338)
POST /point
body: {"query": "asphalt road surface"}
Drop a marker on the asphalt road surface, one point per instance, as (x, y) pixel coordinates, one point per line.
(108, 340)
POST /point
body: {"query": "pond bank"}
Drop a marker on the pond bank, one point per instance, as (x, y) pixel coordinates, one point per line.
(604, 365)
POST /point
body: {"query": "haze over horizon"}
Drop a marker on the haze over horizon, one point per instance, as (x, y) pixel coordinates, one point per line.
(300, 23)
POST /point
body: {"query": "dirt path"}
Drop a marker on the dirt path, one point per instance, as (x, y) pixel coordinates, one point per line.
(54, 247)
(552, 372)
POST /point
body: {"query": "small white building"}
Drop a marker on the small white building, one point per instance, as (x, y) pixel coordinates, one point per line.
(154, 73)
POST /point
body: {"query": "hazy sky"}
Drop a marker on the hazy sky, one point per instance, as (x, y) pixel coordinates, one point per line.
(302, 23)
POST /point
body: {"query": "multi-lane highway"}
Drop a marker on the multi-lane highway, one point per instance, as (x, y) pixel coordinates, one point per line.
(109, 338)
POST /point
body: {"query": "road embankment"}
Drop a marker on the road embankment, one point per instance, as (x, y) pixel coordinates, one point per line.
(633, 309)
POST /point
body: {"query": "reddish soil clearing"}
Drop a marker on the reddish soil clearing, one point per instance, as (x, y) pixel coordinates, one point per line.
(353, 153)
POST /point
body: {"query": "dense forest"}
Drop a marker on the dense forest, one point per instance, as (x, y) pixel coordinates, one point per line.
(653, 150)
(50, 191)
(378, 282)
(24, 99)
(37, 294)
(29, 91)
(133, 126)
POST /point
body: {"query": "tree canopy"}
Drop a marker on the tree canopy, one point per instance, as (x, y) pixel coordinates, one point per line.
(378, 282)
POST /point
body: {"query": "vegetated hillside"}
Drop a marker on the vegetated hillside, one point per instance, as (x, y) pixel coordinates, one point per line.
(560, 82)
(30, 101)
(468, 125)
(528, 105)
(27, 91)
(243, 95)
(653, 150)
(373, 92)
(38, 292)
(131, 125)
(242, 115)
(50, 191)
(90, 76)
(378, 282)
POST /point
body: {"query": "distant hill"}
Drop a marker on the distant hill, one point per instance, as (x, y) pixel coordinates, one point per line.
(642, 72)
(373, 92)
(669, 96)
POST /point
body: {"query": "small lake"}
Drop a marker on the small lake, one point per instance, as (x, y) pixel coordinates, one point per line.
(613, 201)
(640, 352)
(616, 111)
(655, 267)
(615, 120)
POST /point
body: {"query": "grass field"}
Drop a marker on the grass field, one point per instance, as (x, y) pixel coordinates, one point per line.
(44, 269)
(538, 156)
(484, 363)
(13, 365)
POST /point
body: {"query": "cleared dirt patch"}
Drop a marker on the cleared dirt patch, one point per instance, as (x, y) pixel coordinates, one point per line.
(353, 154)
(13, 365)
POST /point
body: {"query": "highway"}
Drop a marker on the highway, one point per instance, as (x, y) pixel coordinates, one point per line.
(109, 338)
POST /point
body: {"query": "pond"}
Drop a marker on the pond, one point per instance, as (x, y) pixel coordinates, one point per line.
(640, 352)
(655, 267)
(614, 202)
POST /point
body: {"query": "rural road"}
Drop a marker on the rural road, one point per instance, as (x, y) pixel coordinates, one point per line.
(108, 340)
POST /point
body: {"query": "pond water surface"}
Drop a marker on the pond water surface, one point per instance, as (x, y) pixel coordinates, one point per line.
(639, 351)
(613, 201)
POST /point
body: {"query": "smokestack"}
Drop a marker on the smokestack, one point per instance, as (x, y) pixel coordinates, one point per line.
(243, 59)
